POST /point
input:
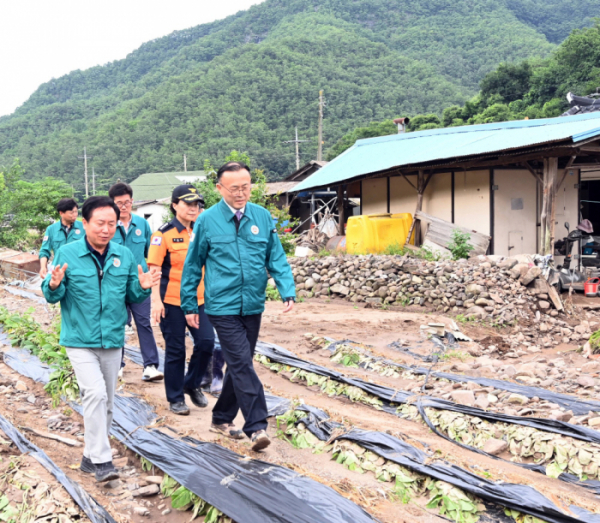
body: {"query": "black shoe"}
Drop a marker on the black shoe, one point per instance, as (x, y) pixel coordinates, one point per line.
(87, 465)
(197, 397)
(179, 408)
(106, 472)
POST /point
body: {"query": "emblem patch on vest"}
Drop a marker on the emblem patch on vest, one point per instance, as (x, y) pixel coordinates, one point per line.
(117, 262)
(138, 232)
(254, 229)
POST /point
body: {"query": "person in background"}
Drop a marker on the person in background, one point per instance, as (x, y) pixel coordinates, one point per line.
(134, 233)
(168, 248)
(65, 230)
(236, 243)
(94, 279)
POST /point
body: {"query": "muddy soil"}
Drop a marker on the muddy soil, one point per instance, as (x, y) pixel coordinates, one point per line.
(339, 320)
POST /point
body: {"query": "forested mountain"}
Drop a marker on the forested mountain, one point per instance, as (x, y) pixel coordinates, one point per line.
(530, 89)
(244, 82)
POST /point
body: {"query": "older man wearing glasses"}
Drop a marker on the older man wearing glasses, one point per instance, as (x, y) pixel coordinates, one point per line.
(236, 243)
(134, 233)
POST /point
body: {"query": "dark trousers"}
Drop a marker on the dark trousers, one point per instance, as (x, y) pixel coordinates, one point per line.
(241, 387)
(173, 327)
(141, 316)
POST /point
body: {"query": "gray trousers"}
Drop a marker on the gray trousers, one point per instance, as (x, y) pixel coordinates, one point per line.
(97, 373)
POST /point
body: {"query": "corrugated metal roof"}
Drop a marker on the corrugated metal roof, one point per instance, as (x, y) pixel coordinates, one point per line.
(153, 186)
(280, 187)
(385, 152)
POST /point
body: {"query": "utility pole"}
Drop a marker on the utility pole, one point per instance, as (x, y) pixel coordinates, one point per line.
(85, 159)
(297, 142)
(184, 163)
(93, 182)
(321, 105)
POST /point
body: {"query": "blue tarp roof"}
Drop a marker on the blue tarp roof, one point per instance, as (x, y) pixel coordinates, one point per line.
(386, 152)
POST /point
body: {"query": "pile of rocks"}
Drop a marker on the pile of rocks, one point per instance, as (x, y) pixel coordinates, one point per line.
(484, 287)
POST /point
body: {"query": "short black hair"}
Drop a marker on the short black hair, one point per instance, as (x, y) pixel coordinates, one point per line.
(120, 189)
(231, 166)
(97, 202)
(66, 205)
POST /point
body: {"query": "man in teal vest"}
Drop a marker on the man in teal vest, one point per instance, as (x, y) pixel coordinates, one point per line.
(236, 244)
(65, 230)
(134, 233)
(94, 279)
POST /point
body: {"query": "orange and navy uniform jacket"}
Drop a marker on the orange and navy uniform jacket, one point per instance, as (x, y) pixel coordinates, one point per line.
(168, 249)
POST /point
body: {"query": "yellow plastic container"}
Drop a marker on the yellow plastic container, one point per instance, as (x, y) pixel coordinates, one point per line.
(374, 233)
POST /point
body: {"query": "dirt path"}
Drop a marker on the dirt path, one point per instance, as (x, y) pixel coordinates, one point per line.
(339, 320)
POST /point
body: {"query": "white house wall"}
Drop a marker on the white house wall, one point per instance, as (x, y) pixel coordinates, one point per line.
(157, 214)
(472, 200)
(515, 212)
(403, 197)
(567, 198)
(374, 196)
(437, 198)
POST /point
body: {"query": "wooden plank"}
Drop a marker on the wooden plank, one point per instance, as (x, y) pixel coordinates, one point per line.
(440, 232)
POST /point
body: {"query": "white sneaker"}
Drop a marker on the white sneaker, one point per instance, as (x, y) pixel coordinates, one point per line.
(121, 373)
(151, 373)
(129, 330)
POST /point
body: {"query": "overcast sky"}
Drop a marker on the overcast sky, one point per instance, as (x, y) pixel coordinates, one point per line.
(44, 39)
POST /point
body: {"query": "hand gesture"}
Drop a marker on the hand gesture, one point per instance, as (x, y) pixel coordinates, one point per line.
(193, 320)
(43, 272)
(157, 311)
(58, 273)
(148, 279)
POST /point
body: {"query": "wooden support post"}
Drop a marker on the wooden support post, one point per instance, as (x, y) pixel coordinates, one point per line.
(548, 214)
(341, 213)
(421, 185)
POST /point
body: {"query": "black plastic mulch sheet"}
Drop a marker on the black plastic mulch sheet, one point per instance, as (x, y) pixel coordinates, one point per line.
(25, 294)
(578, 406)
(133, 353)
(94, 511)
(519, 497)
(391, 398)
(246, 490)
(523, 498)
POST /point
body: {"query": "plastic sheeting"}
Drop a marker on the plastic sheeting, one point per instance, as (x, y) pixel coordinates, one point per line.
(519, 497)
(390, 398)
(246, 490)
(577, 405)
(24, 294)
(94, 511)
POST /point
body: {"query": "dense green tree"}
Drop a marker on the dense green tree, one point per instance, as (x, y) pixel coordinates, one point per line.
(27, 208)
(530, 89)
(244, 83)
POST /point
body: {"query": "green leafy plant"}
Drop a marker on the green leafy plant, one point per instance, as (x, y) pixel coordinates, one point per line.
(453, 503)
(595, 342)
(394, 249)
(28, 334)
(460, 246)
(272, 293)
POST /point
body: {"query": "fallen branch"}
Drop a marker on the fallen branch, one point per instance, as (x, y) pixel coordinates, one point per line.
(66, 441)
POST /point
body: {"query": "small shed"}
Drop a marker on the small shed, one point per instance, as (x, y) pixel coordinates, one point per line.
(517, 181)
